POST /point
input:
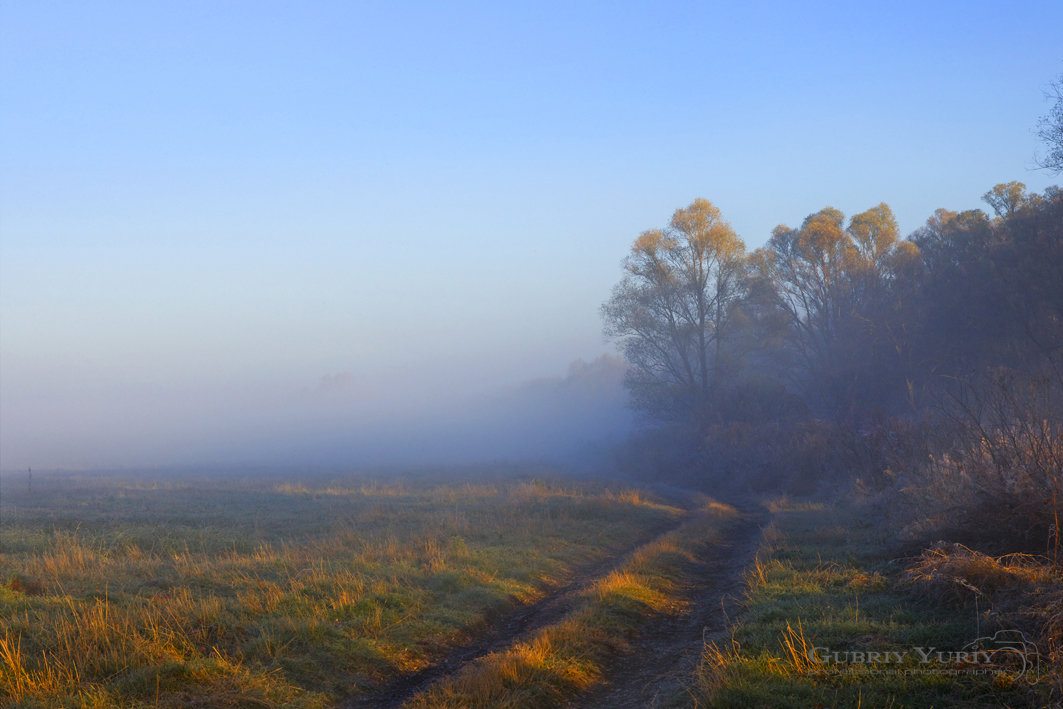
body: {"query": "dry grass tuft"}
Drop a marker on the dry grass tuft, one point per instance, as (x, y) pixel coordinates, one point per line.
(797, 649)
(716, 669)
(955, 572)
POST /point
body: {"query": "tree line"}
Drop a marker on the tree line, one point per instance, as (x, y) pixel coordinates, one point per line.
(844, 320)
(840, 352)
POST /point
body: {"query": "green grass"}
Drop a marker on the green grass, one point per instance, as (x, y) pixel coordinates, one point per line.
(123, 592)
(823, 579)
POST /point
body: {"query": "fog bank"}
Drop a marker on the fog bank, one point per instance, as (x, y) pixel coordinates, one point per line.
(342, 419)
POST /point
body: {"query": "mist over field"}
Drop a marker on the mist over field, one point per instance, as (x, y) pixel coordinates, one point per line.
(349, 233)
(338, 420)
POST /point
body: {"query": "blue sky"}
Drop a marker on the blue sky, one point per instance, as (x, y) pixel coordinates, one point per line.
(206, 208)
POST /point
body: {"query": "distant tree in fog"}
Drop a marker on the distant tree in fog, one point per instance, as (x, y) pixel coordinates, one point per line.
(673, 309)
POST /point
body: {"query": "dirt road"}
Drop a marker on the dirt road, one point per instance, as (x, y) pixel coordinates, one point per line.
(664, 655)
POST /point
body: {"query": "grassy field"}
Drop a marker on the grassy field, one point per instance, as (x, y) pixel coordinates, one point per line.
(825, 593)
(124, 591)
(129, 592)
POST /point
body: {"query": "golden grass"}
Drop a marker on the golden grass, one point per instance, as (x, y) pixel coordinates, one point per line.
(715, 671)
(128, 594)
(796, 648)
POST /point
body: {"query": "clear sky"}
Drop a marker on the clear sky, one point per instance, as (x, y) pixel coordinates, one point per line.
(211, 212)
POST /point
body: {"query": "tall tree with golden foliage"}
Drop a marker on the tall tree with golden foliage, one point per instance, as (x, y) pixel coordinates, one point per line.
(673, 309)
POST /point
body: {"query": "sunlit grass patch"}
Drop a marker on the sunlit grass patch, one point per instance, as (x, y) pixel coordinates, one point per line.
(119, 593)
